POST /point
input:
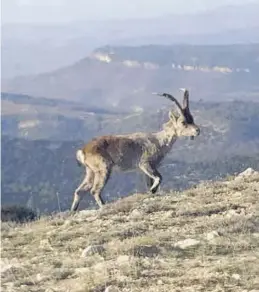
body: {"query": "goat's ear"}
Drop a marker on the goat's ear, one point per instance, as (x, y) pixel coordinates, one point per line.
(172, 116)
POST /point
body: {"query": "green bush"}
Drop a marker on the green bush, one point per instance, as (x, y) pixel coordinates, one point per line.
(19, 214)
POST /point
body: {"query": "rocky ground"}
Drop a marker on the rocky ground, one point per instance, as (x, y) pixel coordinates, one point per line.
(203, 239)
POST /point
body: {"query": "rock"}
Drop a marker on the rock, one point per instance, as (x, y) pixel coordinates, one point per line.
(136, 214)
(40, 277)
(68, 222)
(51, 233)
(9, 286)
(168, 214)
(93, 249)
(212, 235)
(159, 282)
(85, 216)
(189, 242)
(147, 200)
(87, 213)
(101, 270)
(112, 289)
(123, 259)
(231, 213)
(146, 250)
(236, 276)
(249, 171)
(81, 271)
(45, 244)
(50, 290)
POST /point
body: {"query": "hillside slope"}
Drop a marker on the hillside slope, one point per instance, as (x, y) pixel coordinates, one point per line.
(204, 239)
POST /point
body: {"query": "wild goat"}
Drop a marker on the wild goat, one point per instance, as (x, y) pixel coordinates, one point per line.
(144, 151)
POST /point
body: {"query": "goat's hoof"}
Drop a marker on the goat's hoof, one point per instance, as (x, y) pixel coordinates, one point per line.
(154, 190)
(101, 206)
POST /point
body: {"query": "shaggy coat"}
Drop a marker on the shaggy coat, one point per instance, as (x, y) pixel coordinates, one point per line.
(144, 151)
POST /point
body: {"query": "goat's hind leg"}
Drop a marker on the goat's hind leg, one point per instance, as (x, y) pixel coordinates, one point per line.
(85, 185)
(101, 178)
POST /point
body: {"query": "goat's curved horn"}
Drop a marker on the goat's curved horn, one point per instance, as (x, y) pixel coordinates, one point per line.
(185, 98)
(172, 98)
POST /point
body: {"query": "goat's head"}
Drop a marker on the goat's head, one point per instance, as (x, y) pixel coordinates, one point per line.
(182, 123)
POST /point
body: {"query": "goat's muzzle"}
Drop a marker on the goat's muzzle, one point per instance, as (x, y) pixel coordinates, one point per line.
(197, 133)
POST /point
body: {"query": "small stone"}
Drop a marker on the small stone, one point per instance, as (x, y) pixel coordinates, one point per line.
(68, 222)
(51, 232)
(40, 277)
(123, 259)
(168, 214)
(86, 213)
(9, 286)
(112, 289)
(189, 242)
(136, 214)
(212, 235)
(92, 249)
(237, 195)
(45, 244)
(81, 271)
(49, 290)
(231, 213)
(159, 282)
(146, 200)
(236, 276)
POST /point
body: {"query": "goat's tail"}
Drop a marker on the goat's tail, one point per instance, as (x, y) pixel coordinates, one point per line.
(80, 157)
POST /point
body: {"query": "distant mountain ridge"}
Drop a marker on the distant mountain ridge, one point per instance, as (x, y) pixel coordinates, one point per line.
(47, 47)
(126, 76)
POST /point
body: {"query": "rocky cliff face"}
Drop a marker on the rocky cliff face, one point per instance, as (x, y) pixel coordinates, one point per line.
(111, 58)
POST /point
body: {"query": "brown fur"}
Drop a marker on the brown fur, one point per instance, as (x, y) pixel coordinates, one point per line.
(144, 151)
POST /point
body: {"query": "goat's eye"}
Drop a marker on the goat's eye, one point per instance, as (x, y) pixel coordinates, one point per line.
(184, 123)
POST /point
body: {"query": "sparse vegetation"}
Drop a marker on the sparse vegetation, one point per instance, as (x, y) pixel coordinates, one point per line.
(17, 213)
(202, 239)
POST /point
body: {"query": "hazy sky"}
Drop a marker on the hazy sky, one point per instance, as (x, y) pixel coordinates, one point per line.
(70, 10)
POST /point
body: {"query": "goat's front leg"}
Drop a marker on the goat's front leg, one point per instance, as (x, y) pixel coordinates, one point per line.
(149, 181)
(154, 176)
